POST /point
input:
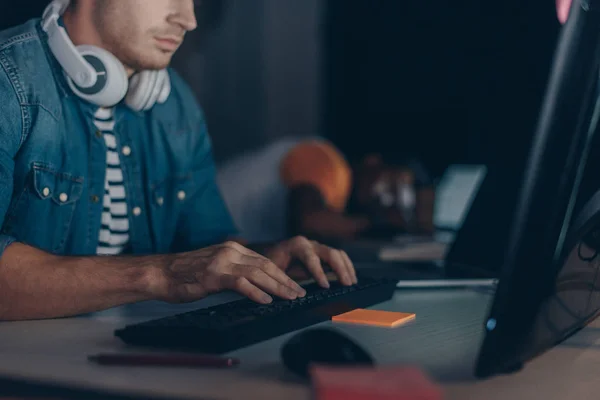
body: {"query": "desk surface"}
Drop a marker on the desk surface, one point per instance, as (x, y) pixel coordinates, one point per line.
(444, 339)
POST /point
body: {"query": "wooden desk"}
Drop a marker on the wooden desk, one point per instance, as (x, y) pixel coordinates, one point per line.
(444, 339)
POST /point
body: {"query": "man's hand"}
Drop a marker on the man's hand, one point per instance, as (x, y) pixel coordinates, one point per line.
(311, 253)
(191, 276)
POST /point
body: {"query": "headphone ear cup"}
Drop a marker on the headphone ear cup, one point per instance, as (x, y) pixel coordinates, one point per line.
(138, 90)
(154, 88)
(111, 84)
(165, 87)
(147, 88)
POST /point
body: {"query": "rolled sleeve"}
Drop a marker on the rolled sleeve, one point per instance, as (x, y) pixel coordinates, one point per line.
(5, 241)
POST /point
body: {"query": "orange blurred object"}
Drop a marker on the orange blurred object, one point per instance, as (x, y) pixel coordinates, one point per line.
(385, 319)
(320, 164)
(379, 383)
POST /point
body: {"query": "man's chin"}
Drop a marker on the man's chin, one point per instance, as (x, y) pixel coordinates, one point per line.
(152, 66)
(156, 64)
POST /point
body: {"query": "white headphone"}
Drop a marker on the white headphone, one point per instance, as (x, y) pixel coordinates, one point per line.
(96, 75)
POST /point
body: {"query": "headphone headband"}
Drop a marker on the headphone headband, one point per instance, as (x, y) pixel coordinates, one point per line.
(56, 7)
(82, 73)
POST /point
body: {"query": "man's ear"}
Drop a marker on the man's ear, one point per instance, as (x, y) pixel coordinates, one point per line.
(562, 10)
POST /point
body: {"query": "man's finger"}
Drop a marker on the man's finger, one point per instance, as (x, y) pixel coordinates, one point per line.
(337, 262)
(273, 271)
(243, 286)
(350, 266)
(312, 262)
(260, 279)
(244, 255)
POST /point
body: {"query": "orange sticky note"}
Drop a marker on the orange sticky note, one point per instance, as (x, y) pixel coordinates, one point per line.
(386, 319)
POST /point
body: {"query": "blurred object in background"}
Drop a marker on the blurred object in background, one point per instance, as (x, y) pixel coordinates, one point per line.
(299, 186)
(319, 181)
(330, 200)
(319, 164)
(455, 193)
(397, 193)
(254, 193)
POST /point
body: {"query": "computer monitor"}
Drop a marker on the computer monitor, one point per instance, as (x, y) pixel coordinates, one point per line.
(547, 288)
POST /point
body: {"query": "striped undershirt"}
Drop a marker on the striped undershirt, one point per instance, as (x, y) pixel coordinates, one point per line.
(114, 233)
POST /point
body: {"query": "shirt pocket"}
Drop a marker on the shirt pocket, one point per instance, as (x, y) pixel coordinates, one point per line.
(43, 213)
(61, 188)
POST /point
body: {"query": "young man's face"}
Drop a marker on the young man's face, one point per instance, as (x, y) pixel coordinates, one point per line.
(562, 9)
(144, 34)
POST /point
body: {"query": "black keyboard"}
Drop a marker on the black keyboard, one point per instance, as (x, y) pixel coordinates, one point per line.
(230, 326)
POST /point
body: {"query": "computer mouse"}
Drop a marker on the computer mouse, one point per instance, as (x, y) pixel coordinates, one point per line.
(322, 346)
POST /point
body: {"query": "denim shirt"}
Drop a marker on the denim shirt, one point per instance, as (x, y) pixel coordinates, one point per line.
(53, 162)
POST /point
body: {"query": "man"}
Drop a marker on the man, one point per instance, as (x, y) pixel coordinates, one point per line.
(107, 183)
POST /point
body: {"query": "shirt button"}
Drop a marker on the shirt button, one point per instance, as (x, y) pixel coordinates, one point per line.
(98, 134)
(126, 151)
(95, 199)
(46, 192)
(63, 198)
(137, 211)
(160, 201)
(181, 195)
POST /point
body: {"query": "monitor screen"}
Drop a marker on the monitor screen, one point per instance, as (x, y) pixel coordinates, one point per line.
(455, 193)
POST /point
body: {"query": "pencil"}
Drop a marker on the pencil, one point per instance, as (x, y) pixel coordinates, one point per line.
(165, 360)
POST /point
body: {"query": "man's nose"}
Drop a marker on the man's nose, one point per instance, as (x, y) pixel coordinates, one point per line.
(185, 15)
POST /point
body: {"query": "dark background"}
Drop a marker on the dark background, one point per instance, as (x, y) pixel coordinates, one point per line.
(447, 81)
(450, 81)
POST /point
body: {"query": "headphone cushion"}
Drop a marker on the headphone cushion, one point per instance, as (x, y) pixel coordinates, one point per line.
(165, 87)
(112, 83)
(153, 90)
(147, 88)
(138, 90)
